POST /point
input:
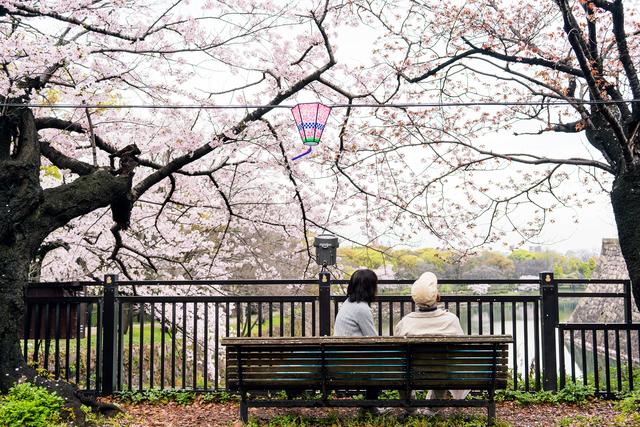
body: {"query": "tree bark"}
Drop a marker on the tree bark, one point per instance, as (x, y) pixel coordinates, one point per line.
(28, 214)
(14, 266)
(625, 199)
(14, 270)
(20, 194)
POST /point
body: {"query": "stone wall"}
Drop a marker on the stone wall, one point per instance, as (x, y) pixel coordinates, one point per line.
(605, 310)
(611, 265)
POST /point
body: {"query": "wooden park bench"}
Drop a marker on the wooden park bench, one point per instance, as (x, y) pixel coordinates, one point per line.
(327, 364)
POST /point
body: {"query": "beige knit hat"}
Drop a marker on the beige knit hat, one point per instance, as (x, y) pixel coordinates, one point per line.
(424, 291)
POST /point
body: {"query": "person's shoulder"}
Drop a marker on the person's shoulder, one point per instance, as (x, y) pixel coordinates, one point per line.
(400, 327)
(360, 306)
(450, 316)
(356, 305)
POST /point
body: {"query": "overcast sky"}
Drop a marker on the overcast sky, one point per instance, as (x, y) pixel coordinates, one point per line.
(594, 222)
(574, 229)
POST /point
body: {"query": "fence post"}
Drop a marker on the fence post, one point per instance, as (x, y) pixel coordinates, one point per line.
(109, 331)
(549, 291)
(324, 303)
(627, 302)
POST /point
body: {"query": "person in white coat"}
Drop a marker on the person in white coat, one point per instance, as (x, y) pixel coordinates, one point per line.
(430, 319)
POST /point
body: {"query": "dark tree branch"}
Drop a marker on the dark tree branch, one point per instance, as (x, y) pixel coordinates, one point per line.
(47, 247)
(617, 14)
(167, 199)
(40, 81)
(227, 223)
(572, 127)
(162, 15)
(28, 144)
(553, 65)
(92, 137)
(592, 36)
(69, 126)
(574, 34)
(292, 178)
(63, 161)
(304, 54)
(85, 194)
(433, 71)
(119, 244)
(531, 159)
(26, 10)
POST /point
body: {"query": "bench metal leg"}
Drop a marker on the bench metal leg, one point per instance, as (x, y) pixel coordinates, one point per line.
(491, 409)
(244, 411)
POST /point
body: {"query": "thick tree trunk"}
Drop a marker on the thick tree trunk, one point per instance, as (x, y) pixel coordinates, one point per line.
(14, 267)
(14, 271)
(625, 198)
(20, 195)
(27, 216)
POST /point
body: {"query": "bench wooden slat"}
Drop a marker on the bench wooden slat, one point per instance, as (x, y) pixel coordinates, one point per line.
(368, 363)
(383, 352)
(416, 356)
(359, 341)
(390, 349)
(311, 383)
(291, 369)
(436, 351)
(445, 367)
(282, 361)
(459, 355)
(281, 366)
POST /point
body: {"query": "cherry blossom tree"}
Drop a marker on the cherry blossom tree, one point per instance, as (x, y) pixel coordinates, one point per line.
(136, 189)
(192, 192)
(563, 66)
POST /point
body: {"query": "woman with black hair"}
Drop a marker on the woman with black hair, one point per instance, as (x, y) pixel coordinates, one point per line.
(355, 317)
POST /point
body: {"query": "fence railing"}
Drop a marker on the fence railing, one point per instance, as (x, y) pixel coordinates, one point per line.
(120, 341)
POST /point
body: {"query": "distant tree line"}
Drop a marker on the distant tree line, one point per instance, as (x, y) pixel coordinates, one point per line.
(409, 264)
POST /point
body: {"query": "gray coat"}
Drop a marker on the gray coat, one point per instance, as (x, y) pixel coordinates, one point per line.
(354, 320)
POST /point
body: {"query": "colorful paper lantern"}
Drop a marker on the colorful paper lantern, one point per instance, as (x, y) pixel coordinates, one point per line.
(310, 120)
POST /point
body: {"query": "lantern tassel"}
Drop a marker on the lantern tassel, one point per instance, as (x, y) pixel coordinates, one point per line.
(302, 155)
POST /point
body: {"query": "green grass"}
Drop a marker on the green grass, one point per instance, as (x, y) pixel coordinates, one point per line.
(572, 393)
(84, 342)
(334, 420)
(146, 335)
(276, 321)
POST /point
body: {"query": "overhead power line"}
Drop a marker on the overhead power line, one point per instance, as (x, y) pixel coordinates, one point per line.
(337, 105)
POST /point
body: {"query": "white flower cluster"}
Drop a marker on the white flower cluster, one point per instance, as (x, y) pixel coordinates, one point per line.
(480, 288)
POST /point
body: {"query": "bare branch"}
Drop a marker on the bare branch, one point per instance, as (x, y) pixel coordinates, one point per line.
(228, 136)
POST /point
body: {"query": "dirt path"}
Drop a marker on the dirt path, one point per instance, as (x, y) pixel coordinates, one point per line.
(596, 413)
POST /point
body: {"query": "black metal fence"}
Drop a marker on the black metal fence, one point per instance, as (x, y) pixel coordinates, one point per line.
(120, 341)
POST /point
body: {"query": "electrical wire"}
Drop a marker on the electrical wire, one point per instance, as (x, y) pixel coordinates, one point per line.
(338, 105)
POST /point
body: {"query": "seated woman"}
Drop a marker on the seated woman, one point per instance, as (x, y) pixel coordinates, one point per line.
(355, 318)
(429, 319)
